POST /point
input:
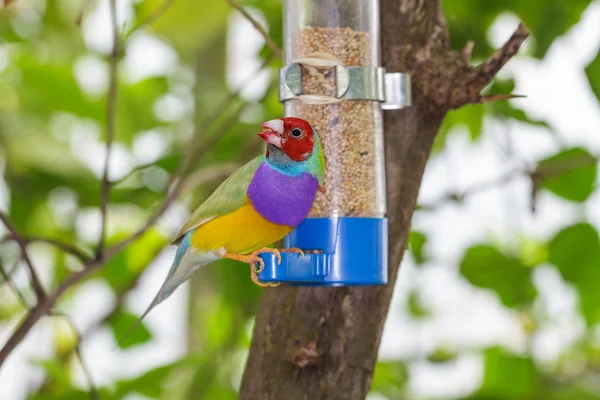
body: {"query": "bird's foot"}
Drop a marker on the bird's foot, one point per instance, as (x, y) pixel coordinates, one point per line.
(266, 250)
(293, 250)
(254, 259)
(254, 277)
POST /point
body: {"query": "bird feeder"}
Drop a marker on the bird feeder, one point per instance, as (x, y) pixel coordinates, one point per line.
(333, 79)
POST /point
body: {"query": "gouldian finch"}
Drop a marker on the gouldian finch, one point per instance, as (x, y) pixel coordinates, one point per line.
(258, 205)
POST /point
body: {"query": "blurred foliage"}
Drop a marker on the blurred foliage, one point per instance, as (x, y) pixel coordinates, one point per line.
(52, 128)
(486, 267)
(416, 245)
(507, 376)
(593, 73)
(577, 178)
(575, 251)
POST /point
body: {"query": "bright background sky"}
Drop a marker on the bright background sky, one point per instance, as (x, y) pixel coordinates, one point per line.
(464, 317)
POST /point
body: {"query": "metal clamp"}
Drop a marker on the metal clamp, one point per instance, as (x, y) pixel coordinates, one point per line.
(392, 89)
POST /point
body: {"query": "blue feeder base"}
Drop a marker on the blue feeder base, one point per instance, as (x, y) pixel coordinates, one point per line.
(352, 251)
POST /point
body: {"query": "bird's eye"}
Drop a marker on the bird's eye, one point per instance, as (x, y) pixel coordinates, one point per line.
(296, 132)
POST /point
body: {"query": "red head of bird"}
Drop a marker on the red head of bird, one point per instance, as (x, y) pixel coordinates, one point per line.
(294, 136)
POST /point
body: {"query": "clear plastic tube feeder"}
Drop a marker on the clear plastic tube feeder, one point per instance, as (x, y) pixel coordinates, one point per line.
(332, 78)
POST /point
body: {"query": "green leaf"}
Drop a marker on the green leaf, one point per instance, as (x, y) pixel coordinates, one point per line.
(122, 269)
(416, 242)
(149, 384)
(507, 376)
(593, 74)
(121, 323)
(135, 107)
(547, 20)
(46, 88)
(575, 251)
(58, 374)
(390, 378)
(570, 174)
(574, 392)
(441, 355)
(415, 307)
(469, 117)
(189, 27)
(485, 267)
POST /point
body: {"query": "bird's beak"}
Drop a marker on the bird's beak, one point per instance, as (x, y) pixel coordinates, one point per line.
(273, 130)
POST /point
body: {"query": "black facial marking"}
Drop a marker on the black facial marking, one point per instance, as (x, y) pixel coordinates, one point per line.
(278, 156)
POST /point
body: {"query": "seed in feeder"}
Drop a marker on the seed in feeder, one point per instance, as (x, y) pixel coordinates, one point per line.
(350, 131)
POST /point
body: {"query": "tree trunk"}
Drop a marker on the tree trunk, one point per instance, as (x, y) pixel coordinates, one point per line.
(322, 343)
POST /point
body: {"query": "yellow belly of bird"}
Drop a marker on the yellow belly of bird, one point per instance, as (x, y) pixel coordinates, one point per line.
(239, 232)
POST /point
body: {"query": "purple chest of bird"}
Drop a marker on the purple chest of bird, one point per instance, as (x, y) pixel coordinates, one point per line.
(280, 198)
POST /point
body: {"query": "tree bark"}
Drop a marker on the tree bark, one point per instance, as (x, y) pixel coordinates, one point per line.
(322, 343)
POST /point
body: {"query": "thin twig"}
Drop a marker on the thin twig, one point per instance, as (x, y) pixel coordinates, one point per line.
(13, 269)
(82, 12)
(208, 174)
(111, 113)
(536, 175)
(478, 188)
(499, 97)
(35, 280)
(86, 371)
(270, 42)
(232, 96)
(467, 51)
(18, 294)
(485, 72)
(63, 246)
(134, 171)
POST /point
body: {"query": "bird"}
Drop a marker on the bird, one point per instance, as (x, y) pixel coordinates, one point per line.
(253, 208)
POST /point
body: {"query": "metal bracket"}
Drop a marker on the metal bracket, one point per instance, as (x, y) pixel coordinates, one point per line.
(392, 89)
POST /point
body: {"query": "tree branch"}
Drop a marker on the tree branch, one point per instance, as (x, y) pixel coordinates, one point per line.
(459, 83)
(536, 174)
(478, 188)
(268, 40)
(35, 280)
(485, 72)
(111, 114)
(345, 323)
(63, 246)
(18, 294)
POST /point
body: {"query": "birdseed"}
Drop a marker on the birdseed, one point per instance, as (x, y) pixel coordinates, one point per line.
(350, 131)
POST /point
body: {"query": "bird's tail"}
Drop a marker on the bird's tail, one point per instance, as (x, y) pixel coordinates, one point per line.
(176, 276)
(162, 294)
(155, 302)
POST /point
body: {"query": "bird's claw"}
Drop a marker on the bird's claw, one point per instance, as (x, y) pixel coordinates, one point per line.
(293, 250)
(257, 264)
(257, 260)
(261, 264)
(254, 274)
(256, 254)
